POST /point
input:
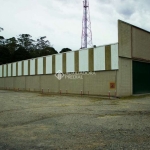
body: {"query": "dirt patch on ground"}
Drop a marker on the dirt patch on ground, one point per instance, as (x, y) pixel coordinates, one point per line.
(53, 122)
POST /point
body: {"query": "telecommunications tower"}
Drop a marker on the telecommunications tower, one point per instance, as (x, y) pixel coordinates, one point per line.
(86, 39)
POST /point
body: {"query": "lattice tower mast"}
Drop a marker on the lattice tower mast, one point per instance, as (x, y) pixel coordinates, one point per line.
(86, 38)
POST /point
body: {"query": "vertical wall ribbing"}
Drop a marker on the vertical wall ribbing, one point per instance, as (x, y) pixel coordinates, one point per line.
(28, 67)
(36, 66)
(91, 59)
(17, 69)
(64, 63)
(44, 65)
(108, 57)
(53, 64)
(76, 61)
(22, 68)
(2, 70)
(7, 70)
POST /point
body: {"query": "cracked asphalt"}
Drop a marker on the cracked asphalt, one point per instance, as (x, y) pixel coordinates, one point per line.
(34, 121)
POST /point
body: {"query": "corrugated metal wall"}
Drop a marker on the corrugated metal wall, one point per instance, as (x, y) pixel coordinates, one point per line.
(99, 58)
(58, 63)
(13, 69)
(9, 70)
(49, 65)
(32, 67)
(83, 60)
(70, 62)
(40, 65)
(19, 68)
(5, 71)
(25, 67)
(94, 59)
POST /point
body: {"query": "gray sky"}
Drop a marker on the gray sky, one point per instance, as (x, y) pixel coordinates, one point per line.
(61, 20)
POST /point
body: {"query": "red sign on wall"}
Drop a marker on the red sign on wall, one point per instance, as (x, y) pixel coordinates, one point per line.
(112, 85)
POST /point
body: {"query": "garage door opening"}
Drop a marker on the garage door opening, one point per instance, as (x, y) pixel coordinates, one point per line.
(141, 77)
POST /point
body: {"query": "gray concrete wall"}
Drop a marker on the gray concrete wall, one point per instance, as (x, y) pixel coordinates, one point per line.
(140, 44)
(134, 44)
(71, 85)
(124, 74)
(124, 39)
(2, 85)
(33, 83)
(97, 84)
(19, 82)
(124, 77)
(49, 82)
(9, 82)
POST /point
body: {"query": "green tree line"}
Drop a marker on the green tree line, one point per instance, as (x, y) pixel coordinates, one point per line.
(24, 47)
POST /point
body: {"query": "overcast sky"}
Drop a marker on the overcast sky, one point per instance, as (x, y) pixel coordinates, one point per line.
(61, 20)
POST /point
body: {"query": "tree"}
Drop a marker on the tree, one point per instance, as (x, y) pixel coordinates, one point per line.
(48, 51)
(24, 47)
(25, 41)
(42, 43)
(1, 29)
(21, 54)
(43, 47)
(65, 50)
(12, 44)
(35, 53)
(4, 55)
(2, 40)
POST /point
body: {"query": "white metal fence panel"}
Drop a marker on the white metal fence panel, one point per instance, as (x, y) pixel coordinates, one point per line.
(114, 56)
(9, 70)
(25, 67)
(83, 60)
(32, 66)
(0, 70)
(70, 62)
(99, 58)
(5, 70)
(19, 68)
(48, 64)
(40, 65)
(58, 63)
(14, 69)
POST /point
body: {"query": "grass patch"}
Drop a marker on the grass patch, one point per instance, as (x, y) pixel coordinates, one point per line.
(135, 97)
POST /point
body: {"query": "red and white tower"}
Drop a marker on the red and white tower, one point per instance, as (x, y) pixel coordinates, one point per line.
(86, 39)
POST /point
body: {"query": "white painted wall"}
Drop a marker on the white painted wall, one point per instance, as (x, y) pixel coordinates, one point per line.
(9, 70)
(32, 66)
(19, 68)
(114, 56)
(25, 67)
(99, 58)
(83, 60)
(40, 65)
(70, 62)
(48, 64)
(14, 69)
(5, 70)
(58, 63)
(0, 70)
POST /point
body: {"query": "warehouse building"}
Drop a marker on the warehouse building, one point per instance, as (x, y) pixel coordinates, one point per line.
(121, 69)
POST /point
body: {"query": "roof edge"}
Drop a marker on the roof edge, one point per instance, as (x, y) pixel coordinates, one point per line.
(133, 26)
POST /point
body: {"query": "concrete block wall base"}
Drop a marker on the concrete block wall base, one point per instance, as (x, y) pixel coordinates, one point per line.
(98, 84)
